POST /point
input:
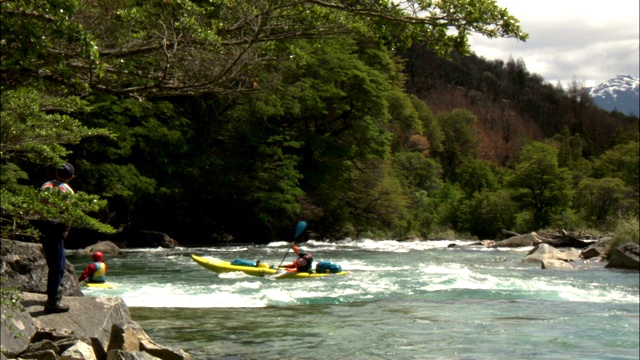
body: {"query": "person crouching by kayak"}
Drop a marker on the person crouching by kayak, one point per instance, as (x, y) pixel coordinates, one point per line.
(96, 272)
(304, 261)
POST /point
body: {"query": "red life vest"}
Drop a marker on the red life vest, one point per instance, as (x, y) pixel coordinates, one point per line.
(304, 262)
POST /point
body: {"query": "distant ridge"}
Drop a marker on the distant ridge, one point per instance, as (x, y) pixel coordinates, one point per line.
(621, 93)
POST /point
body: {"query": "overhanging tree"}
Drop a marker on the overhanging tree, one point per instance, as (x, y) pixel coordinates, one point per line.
(167, 48)
(153, 49)
(34, 128)
(539, 184)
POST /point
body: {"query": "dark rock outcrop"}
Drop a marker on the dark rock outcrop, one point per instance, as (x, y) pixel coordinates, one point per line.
(104, 324)
(144, 239)
(597, 249)
(105, 247)
(24, 266)
(124, 237)
(555, 238)
(94, 328)
(625, 256)
(561, 238)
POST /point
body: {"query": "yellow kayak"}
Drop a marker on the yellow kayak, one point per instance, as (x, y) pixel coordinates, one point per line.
(298, 275)
(104, 285)
(221, 266)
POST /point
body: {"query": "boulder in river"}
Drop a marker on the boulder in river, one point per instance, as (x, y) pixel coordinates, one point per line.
(544, 252)
(597, 249)
(625, 257)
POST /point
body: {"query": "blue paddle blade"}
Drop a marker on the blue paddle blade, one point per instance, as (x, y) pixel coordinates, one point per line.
(300, 228)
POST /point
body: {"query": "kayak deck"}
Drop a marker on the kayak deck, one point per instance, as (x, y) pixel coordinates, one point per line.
(221, 266)
(297, 275)
(104, 285)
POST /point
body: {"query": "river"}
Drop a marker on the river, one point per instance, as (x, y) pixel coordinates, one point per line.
(400, 300)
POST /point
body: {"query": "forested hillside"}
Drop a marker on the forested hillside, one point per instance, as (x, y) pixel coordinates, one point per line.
(511, 103)
(231, 121)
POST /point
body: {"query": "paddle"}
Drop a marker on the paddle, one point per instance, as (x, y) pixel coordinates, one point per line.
(299, 229)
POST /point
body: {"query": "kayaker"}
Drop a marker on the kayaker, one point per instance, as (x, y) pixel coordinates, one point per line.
(96, 272)
(303, 262)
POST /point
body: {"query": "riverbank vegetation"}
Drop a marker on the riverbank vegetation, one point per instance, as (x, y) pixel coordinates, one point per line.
(233, 120)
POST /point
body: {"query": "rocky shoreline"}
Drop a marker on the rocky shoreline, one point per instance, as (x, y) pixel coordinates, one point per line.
(93, 329)
(557, 249)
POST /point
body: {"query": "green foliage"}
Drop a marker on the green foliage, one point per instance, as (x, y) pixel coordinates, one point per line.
(430, 125)
(539, 184)
(599, 199)
(380, 203)
(37, 37)
(436, 212)
(238, 117)
(621, 161)
(35, 126)
(145, 161)
(10, 299)
(417, 171)
(488, 212)
(25, 202)
(121, 181)
(419, 176)
(338, 106)
(459, 141)
(525, 221)
(627, 230)
(176, 48)
(475, 175)
(445, 204)
(404, 116)
(425, 218)
(276, 187)
(570, 219)
(570, 151)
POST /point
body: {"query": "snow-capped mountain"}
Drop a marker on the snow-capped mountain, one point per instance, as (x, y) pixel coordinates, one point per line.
(622, 93)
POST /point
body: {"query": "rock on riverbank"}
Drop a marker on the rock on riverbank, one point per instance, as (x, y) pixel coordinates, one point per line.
(554, 249)
(93, 329)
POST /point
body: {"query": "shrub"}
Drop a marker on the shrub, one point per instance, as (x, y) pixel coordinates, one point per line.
(626, 232)
(524, 222)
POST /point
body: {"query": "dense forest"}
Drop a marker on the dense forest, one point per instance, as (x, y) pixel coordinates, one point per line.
(231, 120)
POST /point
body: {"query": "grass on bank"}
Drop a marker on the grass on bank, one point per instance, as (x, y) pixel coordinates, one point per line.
(626, 231)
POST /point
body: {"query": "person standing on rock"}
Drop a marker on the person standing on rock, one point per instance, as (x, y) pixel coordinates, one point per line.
(96, 272)
(53, 234)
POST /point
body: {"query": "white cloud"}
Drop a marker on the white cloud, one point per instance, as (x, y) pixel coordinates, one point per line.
(586, 40)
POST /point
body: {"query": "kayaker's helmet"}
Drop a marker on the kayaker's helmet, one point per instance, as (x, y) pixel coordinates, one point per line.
(301, 252)
(97, 256)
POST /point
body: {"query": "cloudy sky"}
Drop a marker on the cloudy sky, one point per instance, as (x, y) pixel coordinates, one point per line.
(586, 40)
